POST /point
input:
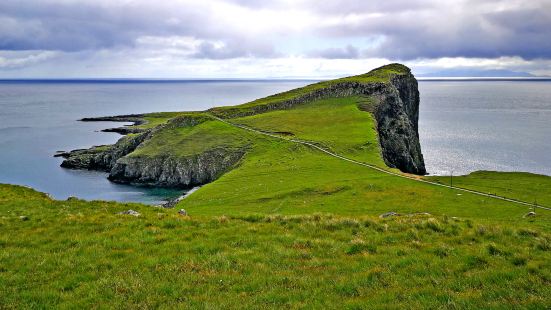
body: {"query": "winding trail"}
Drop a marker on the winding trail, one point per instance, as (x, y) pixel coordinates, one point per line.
(404, 176)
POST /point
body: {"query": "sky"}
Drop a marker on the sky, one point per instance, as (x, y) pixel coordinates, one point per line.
(269, 39)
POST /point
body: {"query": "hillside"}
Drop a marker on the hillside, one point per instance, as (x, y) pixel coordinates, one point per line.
(77, 254)
(294, 187)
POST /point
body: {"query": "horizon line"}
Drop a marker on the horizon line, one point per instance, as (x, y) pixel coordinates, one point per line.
(266, 79)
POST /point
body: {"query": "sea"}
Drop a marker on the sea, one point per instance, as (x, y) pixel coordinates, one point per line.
(464, 126)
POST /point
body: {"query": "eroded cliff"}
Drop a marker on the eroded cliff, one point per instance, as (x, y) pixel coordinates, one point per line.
(195, 148)
(125, 164)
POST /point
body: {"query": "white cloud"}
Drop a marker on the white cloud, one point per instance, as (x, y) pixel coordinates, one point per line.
(14, 60)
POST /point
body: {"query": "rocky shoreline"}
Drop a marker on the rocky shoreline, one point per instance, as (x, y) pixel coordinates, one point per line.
(158, 171)
(135, 119)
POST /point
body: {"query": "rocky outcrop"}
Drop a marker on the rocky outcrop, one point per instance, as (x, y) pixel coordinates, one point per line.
(135, 119)
(168, 171)
(397, 115)
(154, 170)
(104, 157)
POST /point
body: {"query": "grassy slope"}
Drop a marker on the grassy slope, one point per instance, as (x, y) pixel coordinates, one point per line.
(520, 185)
(185, 141)
(336, 124)
(282, 177)
(79, 254)
(380, 75)
(155, 119)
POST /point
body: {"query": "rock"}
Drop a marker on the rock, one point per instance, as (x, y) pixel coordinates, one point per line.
(530, 214)
(397, 116)
(124, 130)
(177, 172)
(137, 119)
(172, 202)
(130, 212)
(102, 157)
(420, 214)
(182, 212)
(388, 214)
(24, 218)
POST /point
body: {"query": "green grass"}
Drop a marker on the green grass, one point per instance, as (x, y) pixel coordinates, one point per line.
(280, 177)
(185, 141)
(518, 185)
(76, 254)
(159, 118)
(379, 75)
(336, 124)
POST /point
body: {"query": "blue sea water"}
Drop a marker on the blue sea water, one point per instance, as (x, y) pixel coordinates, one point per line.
(464, 126)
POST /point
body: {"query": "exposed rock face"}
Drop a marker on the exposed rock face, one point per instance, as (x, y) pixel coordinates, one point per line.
(397, 115)
(104, 157)
(175, 172)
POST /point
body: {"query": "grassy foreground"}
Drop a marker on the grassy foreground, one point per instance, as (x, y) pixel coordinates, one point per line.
(76, 254)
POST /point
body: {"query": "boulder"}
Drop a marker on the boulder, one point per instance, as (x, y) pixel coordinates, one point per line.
(130, 212)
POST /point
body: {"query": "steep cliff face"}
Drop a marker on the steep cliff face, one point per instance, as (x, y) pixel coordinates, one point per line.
(168, 171)
(397, 115)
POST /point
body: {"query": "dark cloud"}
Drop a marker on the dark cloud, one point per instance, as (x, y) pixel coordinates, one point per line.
(72, 26)
(463, 32)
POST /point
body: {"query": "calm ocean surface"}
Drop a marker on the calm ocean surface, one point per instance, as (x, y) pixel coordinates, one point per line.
(464, 126)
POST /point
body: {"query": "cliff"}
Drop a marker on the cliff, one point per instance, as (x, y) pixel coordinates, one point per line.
(396, 110)
(397, 115)
(125, 164)
(194, 148)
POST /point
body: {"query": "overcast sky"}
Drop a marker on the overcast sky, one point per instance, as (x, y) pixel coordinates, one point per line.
(255, 39)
